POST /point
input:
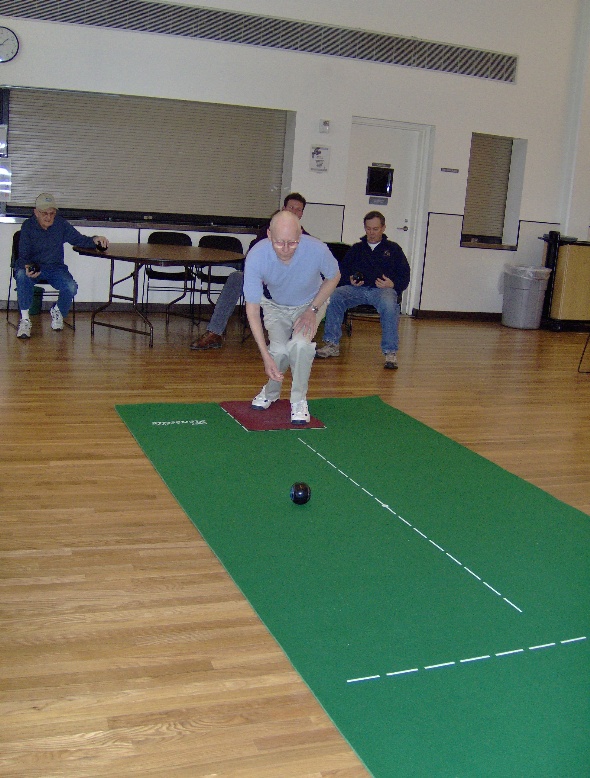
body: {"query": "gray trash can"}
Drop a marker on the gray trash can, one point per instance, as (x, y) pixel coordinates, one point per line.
(524, 293)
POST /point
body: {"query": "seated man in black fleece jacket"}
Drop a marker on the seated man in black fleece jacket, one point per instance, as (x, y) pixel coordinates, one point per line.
(373, 272)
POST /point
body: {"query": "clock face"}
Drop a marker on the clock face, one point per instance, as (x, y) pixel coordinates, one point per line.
(8, 45)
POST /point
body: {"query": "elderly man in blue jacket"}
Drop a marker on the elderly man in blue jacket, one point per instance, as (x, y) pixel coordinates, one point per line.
(41, 255)
(373, 272)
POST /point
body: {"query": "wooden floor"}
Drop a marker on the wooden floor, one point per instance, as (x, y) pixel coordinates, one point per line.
(125, 648)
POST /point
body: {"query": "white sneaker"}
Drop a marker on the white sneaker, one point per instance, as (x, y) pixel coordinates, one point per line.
(300, 412)
(391, 361)
(57, 320)
(24, 329)
(261, 401)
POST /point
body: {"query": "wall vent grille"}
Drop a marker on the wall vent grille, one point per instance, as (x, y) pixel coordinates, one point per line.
(269, 32)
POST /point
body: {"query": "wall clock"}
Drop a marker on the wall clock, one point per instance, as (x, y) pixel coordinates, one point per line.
(8, 44)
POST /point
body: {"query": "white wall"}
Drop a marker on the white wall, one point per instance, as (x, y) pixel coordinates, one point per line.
(447, 265)
(536, 108)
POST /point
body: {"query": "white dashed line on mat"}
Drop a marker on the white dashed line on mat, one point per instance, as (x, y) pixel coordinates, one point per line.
(409, 524)
(466, 661)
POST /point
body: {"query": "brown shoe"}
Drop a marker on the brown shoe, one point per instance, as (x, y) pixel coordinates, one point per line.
(206, 341)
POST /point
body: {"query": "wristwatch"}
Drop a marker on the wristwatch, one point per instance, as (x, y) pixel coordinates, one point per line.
(314, 308)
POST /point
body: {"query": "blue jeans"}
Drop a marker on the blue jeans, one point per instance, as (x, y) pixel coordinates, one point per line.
(384, 300)
(226, 302)
(57, 276)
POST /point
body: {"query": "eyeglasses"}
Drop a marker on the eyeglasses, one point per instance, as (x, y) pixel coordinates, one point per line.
(283, 244)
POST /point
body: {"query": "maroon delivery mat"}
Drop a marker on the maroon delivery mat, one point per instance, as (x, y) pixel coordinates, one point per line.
(277, 417)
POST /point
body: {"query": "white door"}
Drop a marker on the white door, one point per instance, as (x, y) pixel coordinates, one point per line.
(383, 142)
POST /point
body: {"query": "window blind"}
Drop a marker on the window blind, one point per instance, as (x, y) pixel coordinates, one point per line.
(487, 185)
(141, 154)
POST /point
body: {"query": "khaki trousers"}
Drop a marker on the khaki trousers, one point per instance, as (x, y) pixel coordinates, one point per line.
(289, 349)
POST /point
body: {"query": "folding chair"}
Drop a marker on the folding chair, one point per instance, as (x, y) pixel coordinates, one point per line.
(179, 278)
(208, 278)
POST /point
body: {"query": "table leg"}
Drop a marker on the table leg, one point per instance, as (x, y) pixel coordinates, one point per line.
(113, 295)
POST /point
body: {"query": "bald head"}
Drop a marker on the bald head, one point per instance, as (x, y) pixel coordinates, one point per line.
(284, 232)
(285, 220)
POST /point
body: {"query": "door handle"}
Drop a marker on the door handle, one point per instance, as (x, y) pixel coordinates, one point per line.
(405, 228)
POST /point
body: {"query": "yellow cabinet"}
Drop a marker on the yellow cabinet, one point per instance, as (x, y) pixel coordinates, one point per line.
(571, 287)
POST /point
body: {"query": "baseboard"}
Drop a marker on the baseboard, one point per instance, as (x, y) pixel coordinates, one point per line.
(457, 315)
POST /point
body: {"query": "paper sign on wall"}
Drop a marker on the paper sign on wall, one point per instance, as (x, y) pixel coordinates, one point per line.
(320, 158)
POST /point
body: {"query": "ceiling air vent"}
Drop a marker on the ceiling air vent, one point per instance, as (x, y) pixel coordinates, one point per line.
(269, 32)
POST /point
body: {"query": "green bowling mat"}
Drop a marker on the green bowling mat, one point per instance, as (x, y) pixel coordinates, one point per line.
(436, 605)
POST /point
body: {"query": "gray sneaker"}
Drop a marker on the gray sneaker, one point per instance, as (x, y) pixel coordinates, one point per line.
(57, 320)
(328, 350)
(391, 361)
(24, 329)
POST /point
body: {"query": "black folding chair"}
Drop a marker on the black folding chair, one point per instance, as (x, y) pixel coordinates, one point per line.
(209, 278)
(178, 278)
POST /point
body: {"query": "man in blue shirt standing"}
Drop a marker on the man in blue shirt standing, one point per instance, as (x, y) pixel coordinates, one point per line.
(41, 255)
(375, 272)
(300, 273)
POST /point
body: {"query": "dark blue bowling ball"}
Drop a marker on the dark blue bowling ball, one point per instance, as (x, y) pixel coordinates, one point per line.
(300, 493)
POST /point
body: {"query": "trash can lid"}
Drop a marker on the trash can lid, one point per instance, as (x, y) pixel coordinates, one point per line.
(525, 271)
